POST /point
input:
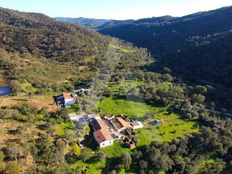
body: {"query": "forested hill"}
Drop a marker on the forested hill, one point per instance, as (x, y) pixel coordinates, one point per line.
(197, 47)
(87, 22)
(35, 41)
(43, 36)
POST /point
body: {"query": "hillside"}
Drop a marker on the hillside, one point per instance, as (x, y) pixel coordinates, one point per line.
(43, 36)
(90, 23)
(61, 50)
(195, 47)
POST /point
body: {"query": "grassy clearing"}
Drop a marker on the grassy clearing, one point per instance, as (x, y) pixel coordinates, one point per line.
(64, 128)
(172, 127)
(115, 150)
(38, 101)
(124, 50)
(123, 86)
(74, 108)
(91, 168)
(129, 108)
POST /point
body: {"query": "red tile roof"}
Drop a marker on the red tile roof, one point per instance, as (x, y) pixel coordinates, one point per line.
(102, 135)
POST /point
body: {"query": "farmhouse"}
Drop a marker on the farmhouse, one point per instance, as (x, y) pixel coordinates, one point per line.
(101, 133)
(103, 138)
(65, 100)
(108, 128)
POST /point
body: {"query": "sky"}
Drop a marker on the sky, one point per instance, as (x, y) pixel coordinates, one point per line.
(114, 9)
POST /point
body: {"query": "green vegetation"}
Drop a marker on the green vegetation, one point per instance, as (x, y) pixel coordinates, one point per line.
(130, 108)
(172, 127)
(115, 150)
(91, 168)
(123, 86)
(63, 129)
(123, 49)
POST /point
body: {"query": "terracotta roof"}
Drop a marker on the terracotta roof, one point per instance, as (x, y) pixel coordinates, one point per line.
(67, 96)
(102, 135)
(123, 122)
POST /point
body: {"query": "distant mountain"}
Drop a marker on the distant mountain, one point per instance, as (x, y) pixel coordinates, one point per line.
(87, 22)
(196, 47)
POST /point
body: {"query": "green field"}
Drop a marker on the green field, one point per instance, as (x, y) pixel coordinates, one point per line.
(91, 168)
(115, 150)
(129, 108)
(172, 127)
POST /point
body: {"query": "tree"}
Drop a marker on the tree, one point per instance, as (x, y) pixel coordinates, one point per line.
(86, 154)
(126, 161)
(198, 98)
(30, 94)
(101, 156)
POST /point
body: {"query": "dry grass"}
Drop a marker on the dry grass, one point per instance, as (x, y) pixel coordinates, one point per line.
(7, 135)
(36, 101)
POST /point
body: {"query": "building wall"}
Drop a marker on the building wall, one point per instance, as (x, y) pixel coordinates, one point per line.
(69, 102)
(106, 143)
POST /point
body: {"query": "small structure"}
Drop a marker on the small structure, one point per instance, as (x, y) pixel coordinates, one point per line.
(129, 143)
(117, 135)
(103, 138)
(120, 124)
(137, 125)
(78, 118)
(109, 117)
(82, 91)
(65, 100)
(88, 117)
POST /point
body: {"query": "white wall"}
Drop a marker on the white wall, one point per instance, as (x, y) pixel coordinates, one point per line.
(106, 143)
(69, 102)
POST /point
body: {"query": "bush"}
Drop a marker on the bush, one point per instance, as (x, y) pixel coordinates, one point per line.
(9, 114)
(86, 154)
(13, 167)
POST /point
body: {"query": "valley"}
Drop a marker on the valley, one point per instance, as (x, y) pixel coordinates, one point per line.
(77, 101)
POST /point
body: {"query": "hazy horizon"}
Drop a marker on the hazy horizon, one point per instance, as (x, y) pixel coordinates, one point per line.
(111, 9)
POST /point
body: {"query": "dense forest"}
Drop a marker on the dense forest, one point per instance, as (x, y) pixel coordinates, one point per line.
(39, 56)
(195, 47)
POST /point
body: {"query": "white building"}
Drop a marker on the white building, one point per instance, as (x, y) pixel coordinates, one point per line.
(65, 99)
(103, 138)
(137, 125)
